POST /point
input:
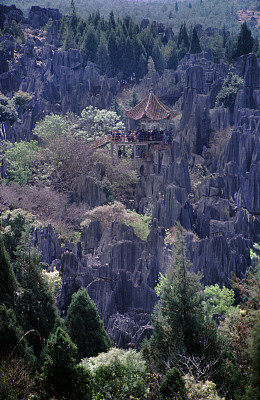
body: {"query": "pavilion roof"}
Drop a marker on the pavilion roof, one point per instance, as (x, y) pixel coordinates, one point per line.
(150, 108)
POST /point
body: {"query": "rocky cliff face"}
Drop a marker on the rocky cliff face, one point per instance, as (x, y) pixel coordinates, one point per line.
(208, 179)
(57, 79)
(119, 271)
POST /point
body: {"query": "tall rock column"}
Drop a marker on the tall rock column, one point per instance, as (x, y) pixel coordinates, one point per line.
(195, 117)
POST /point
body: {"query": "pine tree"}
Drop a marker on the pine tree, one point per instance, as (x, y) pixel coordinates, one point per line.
(89, 46)
(111, 21)
(12, 336)
(147, 38)
(69, 41)
(172, 62)
(36, 303)
(74, 17)
(85, 326)
(102, 54)
(195, 43)
(7, 278)
(127, 63)
(138, 51)
(158, 59)
(176, 7)
(183, 38)
(62, 377)
(178, 318)
(113, 52)
(245, 41)
(141, 67)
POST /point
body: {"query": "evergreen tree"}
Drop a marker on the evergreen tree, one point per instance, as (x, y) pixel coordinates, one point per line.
(141, 67)
(69, 41)
(173, 386)
(147, 38)
(138, 51)
(178, 317)
(12, 336)
(113, 52)
(102, 54)
(127, 64)
(176, 7)
(245, 41)
(158, 59)
(74, 17)
(62, 377)
(195, 43)
(230, 49)
(36, 303)
(111, 21)
(89, 46)
(183, 38)
(85, 326)
(7, 279)
(172, 62)
(97, 19)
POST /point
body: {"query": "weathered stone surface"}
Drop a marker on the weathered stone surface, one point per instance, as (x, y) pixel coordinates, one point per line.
(49, 245)
(38, 16)
(165, 192)
(88, 191)
(58, 80)
(9, 14)
(119, 272)
(218, 257)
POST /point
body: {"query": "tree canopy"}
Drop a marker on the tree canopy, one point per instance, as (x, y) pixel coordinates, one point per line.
(85, 326)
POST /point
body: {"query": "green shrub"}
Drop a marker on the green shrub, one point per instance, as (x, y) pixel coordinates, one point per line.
(228, 93)
(173, 385)
(13, 225)
(218, 300)
(116, 212)
(21, 99)
(140, 223)
(201, 390)
(20, 159)
(119, 374)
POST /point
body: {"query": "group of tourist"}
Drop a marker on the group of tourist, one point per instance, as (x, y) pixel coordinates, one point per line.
(141, 135)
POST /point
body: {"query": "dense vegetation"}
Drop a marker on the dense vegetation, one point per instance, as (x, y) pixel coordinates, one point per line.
(213, 13)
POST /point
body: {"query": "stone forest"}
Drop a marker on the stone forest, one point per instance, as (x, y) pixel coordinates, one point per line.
(130, 208)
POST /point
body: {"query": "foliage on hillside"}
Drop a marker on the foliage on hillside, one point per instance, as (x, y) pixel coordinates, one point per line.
(212, 13)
